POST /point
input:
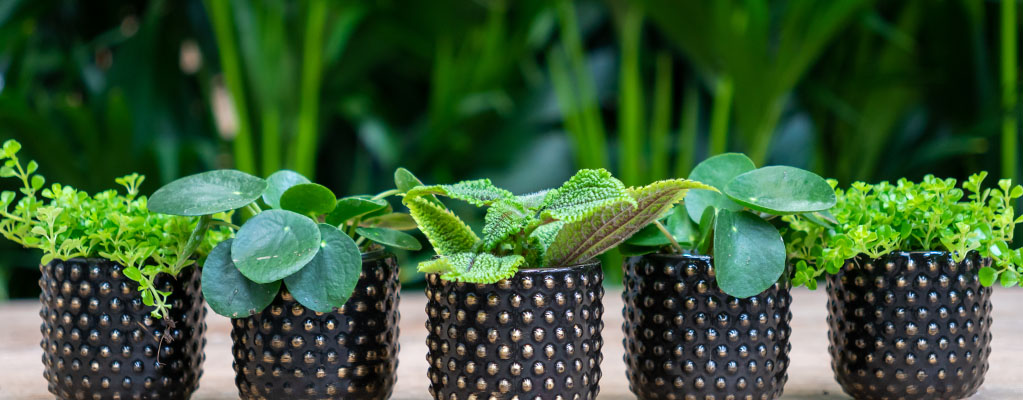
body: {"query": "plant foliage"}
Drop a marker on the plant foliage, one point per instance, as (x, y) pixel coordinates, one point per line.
(588, 215)
(67, 223)
(932, 215)
(288, 242)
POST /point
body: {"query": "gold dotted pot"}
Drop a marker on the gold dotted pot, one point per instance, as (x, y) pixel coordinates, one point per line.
(100, 342)
(686, 339)
(535, 336)
(290, 352)
(909, 325)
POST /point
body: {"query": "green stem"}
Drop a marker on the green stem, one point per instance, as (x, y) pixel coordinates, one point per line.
(664, 231)
(723, 90)
(688, 128)
(218, 222)
(309, 91)
(630, 98)
(386, 193)
(223, 28)
(1009, 107)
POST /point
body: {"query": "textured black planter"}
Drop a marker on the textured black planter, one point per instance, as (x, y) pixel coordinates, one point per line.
(533, 336)
(290, 352)
(685, 339)
(99, 341)
(909, 325)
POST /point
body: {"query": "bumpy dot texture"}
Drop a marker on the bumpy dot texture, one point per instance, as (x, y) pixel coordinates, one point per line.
(686, 339)
(99, 341)
(909, 325)
(534, 336)
(290, 352)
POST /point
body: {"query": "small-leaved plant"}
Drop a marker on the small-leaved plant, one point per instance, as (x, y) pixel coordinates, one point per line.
(932, 215)
(734, 224)
(296, 233)
(588, 215)
(67, 223)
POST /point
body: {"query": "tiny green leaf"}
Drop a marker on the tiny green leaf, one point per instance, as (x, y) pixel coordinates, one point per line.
(351, 207)
(716, 171)
(404, 180)
(390, 237)
(207, 193)
(328, 280)
(227, 291)
(278, 183)
(749, 254)
(1009, 278)
(781, 190)
(308, 199)
(275, 244)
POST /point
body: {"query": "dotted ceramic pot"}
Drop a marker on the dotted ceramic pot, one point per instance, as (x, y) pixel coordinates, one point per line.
(686, 339)
(290, 352)
(909, 325)
(535, 336)
(100, 342)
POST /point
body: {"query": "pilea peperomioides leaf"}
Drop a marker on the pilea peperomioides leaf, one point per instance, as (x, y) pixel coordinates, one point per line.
(586, 192)
(355, 206)
(398, 221)
(279, 182)
(327, 281)
(446, 232)
(390, 237)
(227, 291)
(716, 171)
(308, 199)
(207, 193)
(749, 254)
(275, 244)
(473, 267)
(781, 190)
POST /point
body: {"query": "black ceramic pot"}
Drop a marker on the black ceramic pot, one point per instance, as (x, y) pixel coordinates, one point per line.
(533, 336)
(99, 341)
(290, 352)
(909, 325)
(686, 339)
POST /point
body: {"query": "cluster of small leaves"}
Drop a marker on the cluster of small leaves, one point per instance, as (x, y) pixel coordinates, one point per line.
(588, 215)
(67, 223)
(932, 215)
(732, 222)
(297, 233)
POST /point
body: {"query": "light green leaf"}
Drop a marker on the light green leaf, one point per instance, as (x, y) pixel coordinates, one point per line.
(404, 180)
(585, 193)
(478, 192)
(716, 171)
(399, 221)
(328, 280)
(504, 218)
(308, 199)
(227, 291)
(390, 237)
(483, 268)
(207, 193)
(355, 206)
(278, 183)
(749, 254)
(446, 232)
(275, 244)
(781, 190)
(987, 276)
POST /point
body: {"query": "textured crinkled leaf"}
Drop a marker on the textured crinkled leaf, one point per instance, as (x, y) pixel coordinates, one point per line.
(479, 192)
(446, 232)
(504, 218)
(582, 240)
(544, 234)
(532, 201)
(588, 191)
(474, 267)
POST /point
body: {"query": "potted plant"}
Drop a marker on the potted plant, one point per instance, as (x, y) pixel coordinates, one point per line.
(122, 313)
(311, 290)
(706, 290)
(909, 308)
(517, 313)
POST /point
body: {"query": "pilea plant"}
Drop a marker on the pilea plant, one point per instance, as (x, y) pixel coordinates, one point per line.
(296, 233)
(588, 215)
(931, 215)
(734, 224)
(67, 223)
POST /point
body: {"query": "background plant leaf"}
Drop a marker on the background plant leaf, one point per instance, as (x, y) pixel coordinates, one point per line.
(585, 193)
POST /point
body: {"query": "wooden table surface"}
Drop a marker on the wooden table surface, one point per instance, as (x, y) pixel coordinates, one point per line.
(810, 377)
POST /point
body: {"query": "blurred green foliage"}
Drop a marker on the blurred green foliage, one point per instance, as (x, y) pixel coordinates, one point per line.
(523, 92)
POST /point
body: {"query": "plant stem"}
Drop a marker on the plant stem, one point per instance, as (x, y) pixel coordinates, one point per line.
(630, 98)
(723, 90)
(218, 222)
(386, 193)
(688, 128)
(309, 91)
(1009, 107)
(223, 28)
(674, 243)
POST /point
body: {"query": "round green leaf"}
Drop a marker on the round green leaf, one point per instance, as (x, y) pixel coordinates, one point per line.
(781, 190)
(716, 171)
(390, 237)
(275, 244)
(207, 193)
(329, 279)
(351, 207)
(987, 276)
(278, 183)
(228, 292)
(749, 254)
(308, 198)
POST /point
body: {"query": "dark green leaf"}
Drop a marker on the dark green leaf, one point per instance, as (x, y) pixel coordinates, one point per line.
(749, 254)
(405, 180)
(275, 244)
(329, 279)
(781, 190)
(207, 193)
(716, 171)
(706, 230)
(351, 207)
(278, 183)
(399, 221)
(309, 199)
(228, 292)
(390, 237)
